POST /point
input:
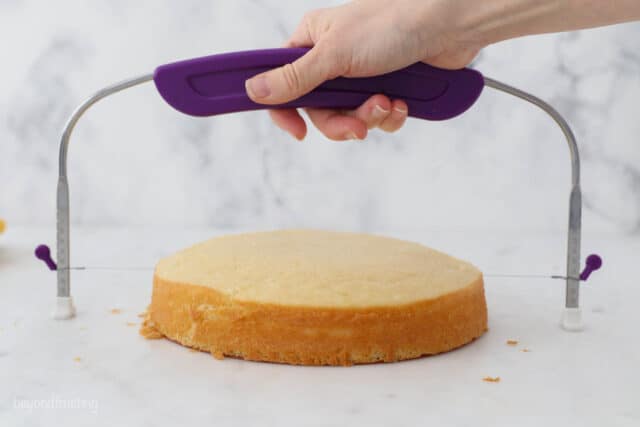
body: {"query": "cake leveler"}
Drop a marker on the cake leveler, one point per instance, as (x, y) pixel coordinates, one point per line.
(215, 85)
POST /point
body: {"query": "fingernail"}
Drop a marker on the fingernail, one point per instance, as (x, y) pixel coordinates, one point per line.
(257, 87)
(401, 110)
(352, 136)
(379, 112)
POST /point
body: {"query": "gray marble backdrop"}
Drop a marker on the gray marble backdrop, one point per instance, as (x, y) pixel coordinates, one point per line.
(135, 161)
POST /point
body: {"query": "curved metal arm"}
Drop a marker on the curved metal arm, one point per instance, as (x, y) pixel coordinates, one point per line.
(63, 191)
(572, 295)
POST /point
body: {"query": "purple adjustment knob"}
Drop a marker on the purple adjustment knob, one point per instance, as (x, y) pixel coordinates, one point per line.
(592, 263)
(44, 253)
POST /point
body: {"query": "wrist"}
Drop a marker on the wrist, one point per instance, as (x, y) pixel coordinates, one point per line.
(491, 21)
(477, 23)
(461, 23)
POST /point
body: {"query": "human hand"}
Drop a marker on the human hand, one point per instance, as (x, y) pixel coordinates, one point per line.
(360, 39)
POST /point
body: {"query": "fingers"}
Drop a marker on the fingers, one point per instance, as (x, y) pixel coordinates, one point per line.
(290, 121)
(374, 111)
(337, 125)
(293, 80)
(377, 111)
(397, 117)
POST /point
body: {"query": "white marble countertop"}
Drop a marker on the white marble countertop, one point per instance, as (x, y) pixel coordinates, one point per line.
(99, 361)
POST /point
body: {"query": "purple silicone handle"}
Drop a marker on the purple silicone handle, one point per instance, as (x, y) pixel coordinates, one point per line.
(215, 85)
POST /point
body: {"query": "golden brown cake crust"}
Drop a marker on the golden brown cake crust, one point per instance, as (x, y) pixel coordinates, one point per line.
(205, 319)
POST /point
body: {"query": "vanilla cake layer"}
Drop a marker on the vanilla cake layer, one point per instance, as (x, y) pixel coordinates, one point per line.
(316, 297)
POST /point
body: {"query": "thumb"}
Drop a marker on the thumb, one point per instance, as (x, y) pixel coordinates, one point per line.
(291, 81)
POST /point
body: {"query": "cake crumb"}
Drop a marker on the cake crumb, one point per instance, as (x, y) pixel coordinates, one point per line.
(525, 350)
(142, 315)
(512, 342)
(115, 311)
(149, 331)
(131, 323)
(491, 379)
(77, 359)
(217, 354)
